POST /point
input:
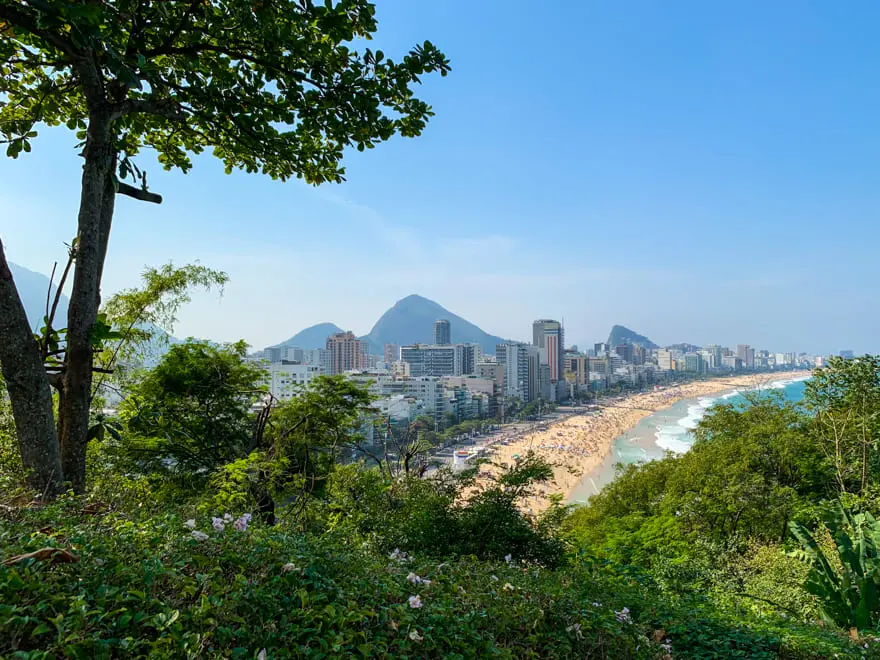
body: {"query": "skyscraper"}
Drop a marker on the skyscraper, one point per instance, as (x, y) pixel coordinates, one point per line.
(520, 365)
(347, 352)
(442, 332)
(550, 336)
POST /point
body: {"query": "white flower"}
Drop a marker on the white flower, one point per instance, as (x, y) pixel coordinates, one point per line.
(415, 636)
(261, 655)
(508, 558)
(597, 604)
(218, 524)
(191, 523)
(399, 556)
(199, 536)
(508, 587)
(494, 578)
(623, 615)
(242, 523)
(412, 577)
(415, 602)
(227, 517)
(288, 567)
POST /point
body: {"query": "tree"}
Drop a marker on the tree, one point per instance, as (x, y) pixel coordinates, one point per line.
(844, 396)
(192, 413)
(271, 86)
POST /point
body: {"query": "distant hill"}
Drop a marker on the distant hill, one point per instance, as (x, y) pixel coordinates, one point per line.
(411, 321)
(32, 288)
(312, 337)
(621, 335)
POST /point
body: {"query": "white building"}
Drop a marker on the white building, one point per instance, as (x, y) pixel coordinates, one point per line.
(286, 380)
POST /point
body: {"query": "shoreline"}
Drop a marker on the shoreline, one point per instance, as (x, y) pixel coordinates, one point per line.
(578, 444)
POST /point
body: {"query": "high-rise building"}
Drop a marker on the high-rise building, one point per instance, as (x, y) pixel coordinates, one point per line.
(442, 332)
(664, 359)
(550, 336)
(600, 349)
(747, 354)
(693, 363)
(716, 353)
(520, 365)
(625, 351)
(391, 353)
(319, 357)
(429, 360)
(467, 357)
(347, 352)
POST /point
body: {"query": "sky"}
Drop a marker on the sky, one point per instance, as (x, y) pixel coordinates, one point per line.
(699, 172)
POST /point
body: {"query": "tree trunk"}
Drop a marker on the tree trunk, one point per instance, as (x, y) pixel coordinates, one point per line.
(76, 388)
(28, 390)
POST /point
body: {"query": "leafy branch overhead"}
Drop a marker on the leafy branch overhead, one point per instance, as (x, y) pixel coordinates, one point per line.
(271, 86)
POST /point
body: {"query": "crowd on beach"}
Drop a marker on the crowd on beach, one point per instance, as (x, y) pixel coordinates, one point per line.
(577, 443)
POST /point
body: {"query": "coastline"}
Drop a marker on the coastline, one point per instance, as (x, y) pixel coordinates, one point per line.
(578, 444)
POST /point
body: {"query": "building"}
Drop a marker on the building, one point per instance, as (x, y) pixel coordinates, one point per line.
(600, 349)
(442, 332)
(664, 359)
(286, 379)
(467, 357)
(550, 336)
(347, 353)
(578, 367)
(693, 363)
(400, 369)
(520, 364)
(318, 357)
(716, 353)
(625, 351)
(429, 360)
(733, 362)
(391, 353)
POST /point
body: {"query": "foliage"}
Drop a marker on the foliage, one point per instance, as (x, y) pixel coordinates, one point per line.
(146, 586)
(844, 397)
(143, 315)
(847, 585)
(297, 447)
(191, 413)
(748, 473)
(271, 86)
(444, 515)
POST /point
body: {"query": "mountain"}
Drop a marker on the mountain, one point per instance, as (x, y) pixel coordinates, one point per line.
(411, 321)
(313, 337)
(32, 288)
(622, 335)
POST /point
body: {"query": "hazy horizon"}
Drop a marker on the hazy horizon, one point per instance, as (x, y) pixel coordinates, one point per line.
(696, 173)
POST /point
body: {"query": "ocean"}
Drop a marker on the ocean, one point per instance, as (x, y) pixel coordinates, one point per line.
(667, 430)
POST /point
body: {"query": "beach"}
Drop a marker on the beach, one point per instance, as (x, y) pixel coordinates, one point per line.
(579, 442)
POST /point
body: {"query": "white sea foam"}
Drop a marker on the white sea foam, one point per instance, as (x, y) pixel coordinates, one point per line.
(677, 437)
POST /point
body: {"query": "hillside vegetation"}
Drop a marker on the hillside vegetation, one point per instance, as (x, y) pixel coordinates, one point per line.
(199, 538)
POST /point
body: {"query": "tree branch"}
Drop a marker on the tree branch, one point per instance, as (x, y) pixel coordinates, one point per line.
(136, 193)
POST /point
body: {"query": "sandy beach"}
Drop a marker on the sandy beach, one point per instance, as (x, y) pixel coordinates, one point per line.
(578, 443)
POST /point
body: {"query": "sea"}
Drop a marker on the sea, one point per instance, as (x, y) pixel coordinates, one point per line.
(668, 430)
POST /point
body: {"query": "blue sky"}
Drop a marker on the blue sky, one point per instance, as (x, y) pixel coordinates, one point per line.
(702, 172)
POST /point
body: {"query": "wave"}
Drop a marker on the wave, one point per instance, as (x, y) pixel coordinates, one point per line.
(677, 437)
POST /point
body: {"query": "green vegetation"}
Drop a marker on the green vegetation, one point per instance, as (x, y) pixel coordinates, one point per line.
(219, 522)
(175, 509)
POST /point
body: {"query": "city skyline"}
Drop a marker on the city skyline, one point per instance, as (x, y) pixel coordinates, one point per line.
(697, 169)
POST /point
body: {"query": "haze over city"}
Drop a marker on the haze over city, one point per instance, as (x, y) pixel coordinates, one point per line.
(699, 173)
